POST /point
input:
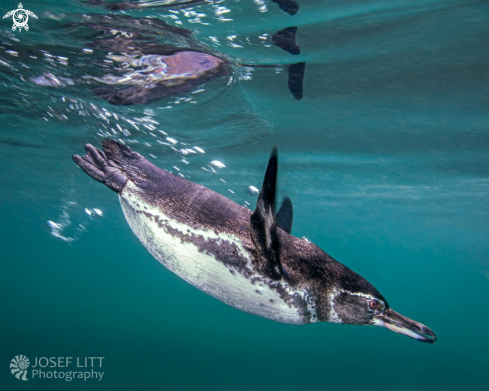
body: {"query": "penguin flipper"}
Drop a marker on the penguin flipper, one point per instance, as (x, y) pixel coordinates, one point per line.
(285, 215)
(263, 224)
(96, 164)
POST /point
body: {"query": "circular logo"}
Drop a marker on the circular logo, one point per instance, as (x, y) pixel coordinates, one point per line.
(20, 17)
(18, 367)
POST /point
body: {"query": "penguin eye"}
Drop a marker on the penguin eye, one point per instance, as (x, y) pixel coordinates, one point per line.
(373, 304)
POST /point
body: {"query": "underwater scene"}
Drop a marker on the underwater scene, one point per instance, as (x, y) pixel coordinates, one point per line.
(244, 195)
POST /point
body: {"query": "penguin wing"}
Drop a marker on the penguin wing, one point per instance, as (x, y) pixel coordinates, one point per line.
(285, 215)
(8, 14)
(263, 223)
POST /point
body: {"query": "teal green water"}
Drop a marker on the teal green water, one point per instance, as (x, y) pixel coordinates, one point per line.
(385, 159)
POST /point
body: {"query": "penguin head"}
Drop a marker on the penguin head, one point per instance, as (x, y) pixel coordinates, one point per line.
(360, 303)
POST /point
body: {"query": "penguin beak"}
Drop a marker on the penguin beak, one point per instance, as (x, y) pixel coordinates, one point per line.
(400, 324)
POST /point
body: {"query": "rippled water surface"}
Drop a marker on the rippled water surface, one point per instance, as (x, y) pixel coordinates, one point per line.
(383, 150)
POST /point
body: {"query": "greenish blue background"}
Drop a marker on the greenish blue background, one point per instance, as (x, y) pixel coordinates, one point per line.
(385, 159)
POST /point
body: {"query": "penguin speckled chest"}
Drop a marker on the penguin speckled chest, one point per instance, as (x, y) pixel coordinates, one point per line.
(247, 260)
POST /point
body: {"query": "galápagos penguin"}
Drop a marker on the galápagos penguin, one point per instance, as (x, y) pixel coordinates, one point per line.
(248, 260)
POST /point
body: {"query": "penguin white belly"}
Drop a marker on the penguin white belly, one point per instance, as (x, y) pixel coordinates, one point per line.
(199, 268)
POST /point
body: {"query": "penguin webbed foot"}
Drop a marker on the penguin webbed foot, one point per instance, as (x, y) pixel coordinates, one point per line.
(96, 164)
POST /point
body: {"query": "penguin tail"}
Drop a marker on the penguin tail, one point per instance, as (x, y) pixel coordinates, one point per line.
(105, 170)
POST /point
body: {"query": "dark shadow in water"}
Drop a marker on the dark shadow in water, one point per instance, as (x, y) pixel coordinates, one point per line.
(12, 143)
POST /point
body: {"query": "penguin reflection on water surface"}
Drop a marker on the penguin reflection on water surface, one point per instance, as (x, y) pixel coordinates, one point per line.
(248, 260)
(152, 60)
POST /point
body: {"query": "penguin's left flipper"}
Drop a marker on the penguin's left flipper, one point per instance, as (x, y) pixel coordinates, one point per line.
(285, 215)
(263, 223)
(96, 164)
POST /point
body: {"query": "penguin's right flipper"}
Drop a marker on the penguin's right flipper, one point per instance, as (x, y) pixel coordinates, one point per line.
(285, 215)
(263, 227)
(96, 164)
(289, 6)
(296, 79)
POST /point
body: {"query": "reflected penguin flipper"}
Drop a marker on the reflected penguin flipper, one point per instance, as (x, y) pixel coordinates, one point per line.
(285, 39)
(289, 6)
(296, 79)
